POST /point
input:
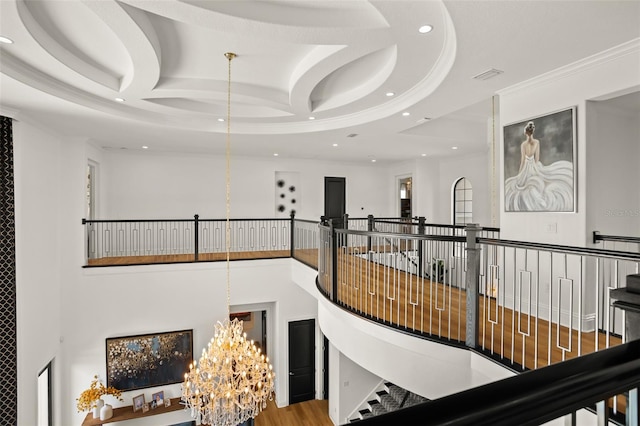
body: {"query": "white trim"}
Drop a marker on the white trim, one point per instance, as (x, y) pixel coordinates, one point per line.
(627, 48)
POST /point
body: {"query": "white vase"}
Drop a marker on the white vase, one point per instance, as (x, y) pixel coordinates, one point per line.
(106, 412)
(97, 408)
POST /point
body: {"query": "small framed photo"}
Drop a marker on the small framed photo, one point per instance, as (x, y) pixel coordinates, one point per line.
(138, 402)
(167, 402)
(158, 399)
(145, 407)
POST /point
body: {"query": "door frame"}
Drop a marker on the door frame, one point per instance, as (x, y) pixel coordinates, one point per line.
(396, 192)
(317, 358)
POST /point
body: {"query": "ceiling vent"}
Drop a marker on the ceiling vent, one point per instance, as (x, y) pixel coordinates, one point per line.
(423, 120)
(488, 74)
(352, 135)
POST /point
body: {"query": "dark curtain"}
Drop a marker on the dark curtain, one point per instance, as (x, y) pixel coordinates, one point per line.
(8, 331)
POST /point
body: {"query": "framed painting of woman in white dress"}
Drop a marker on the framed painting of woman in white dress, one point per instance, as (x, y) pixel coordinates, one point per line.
(539, 163)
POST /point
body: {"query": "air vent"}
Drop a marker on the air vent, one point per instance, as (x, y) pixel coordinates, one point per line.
(352, 135)
(423, 120)
(488, 74)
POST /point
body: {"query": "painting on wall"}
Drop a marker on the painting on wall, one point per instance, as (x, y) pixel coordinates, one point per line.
(146, 360)
(287, 194)
(539, 163)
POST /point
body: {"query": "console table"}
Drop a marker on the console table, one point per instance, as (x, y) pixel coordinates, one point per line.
(126, 413)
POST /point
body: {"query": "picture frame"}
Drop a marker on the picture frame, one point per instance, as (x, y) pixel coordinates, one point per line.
(158, 398)
(145, 407)
(167, 402)
(148, 360)
(138, 402)
(540, 168)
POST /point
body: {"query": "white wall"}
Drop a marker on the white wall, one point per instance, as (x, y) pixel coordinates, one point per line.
(156, 185)
(353, 386)
(613, 203)
(37, 170)
(613, 71)
(435, 179)
(144, 299)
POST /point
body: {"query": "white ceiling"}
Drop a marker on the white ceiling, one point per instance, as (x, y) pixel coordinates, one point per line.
(334, 60)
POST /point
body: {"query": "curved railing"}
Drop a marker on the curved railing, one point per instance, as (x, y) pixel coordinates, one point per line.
(533, 304)
(525, 304)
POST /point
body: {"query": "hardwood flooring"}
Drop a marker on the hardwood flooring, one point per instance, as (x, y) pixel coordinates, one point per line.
(308, 413)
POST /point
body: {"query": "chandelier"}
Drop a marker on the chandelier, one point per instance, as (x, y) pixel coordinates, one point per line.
(232, 381)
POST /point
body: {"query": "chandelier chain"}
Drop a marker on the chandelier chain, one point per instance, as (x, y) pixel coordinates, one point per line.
(229, 56)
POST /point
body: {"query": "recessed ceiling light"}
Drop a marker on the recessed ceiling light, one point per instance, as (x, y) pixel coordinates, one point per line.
(424, 155)
(406, 114)
(312, 118)
(454, 147)
(221, 119)
(389, 94)
(145, 147)
(119, 99)
(425, 29)
(5, 40)
(335, 144)
(373, 161)
(275, 154)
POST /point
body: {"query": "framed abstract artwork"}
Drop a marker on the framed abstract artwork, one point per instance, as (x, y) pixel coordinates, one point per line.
(540, 163)
(146, 360)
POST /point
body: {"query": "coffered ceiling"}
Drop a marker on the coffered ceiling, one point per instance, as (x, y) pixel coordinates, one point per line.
(309, 74)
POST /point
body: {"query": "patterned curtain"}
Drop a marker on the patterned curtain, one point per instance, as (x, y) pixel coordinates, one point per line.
(8, 331)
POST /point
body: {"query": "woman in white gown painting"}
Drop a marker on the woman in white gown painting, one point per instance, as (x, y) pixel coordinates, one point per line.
(537, 187)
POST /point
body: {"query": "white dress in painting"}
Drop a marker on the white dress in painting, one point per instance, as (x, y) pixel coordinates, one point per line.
(540, 188)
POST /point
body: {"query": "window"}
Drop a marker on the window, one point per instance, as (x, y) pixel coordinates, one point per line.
(462, 202)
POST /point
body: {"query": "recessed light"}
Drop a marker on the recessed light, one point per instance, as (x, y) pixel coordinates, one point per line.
(275, 154)
(312, 118)
(145, 147)
(221, 119)
(406, 114)
(373, 161)
(454, 147)
(424, 155)
(5, 40)
(119, 99)
(335, 144)
(389, 94)
(425, 29)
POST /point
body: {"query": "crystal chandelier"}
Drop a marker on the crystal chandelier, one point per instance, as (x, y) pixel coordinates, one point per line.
(232, 381)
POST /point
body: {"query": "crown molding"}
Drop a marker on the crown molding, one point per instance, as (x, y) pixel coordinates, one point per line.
(624, 49)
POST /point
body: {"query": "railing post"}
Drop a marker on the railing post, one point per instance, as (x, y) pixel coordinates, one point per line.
(334, 262)
(370, 229)
(195, 236)
(86, 238)
(472, 284)
(346, 220)
(421, 222)
(292, 227)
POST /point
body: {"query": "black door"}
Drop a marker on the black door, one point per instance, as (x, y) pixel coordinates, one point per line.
(335, 200)
(302, 348)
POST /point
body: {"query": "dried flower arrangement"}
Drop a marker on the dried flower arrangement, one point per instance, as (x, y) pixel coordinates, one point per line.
(89, 397)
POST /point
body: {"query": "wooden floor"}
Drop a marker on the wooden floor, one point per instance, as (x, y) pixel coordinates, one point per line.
(308, 413)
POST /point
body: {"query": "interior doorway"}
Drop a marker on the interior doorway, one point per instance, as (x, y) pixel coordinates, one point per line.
(302, 355)
(404, 191)
(254, 324)
(335, 200)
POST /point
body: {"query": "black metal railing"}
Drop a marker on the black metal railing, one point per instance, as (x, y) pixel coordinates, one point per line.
(551, 301)
(538, 396)
(617, 242)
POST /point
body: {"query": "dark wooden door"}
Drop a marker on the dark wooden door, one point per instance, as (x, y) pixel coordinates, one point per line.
(335, 199)
(302, 372)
